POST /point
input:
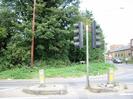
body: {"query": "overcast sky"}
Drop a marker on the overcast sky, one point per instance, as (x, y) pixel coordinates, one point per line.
(115, 18)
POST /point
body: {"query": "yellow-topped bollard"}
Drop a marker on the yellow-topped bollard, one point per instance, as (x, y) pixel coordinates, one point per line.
(41, 76)
(111, 75)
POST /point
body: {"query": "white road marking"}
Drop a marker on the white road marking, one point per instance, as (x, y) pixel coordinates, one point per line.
(40, 97)
(126, 94)
(7, 88)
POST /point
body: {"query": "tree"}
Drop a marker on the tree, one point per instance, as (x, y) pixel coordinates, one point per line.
(53, 31)
(54, 19)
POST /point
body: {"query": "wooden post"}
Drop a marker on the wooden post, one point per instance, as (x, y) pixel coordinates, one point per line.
(33, 34)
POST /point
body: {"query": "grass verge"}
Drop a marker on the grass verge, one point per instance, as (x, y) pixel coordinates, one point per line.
(75, 70)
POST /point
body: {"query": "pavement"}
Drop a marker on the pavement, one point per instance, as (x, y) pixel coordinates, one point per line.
(79, 93)
(75, 87)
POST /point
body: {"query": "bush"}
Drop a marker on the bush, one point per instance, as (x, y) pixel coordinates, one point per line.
(76, 54)
(14, 56)
(57, 63)
(52, 63)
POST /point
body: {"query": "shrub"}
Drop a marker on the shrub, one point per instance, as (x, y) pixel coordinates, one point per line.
(57, 63)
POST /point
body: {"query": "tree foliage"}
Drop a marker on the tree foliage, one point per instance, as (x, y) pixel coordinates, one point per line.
(53, 31)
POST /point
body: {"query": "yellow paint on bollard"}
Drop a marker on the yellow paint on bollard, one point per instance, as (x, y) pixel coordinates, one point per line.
(111, 78)
(41, 76)
(111, 75)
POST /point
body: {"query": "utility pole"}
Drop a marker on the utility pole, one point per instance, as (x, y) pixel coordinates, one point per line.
(87, 57)
(33, 34)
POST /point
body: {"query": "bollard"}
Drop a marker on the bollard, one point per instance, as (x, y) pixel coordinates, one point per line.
(111, 76)
(41, 76)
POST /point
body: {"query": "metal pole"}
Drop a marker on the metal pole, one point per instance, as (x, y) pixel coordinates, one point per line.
(105, 53)
(87, 57)
(33, 34)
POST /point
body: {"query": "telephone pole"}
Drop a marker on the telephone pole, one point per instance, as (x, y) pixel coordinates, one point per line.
(33, 34)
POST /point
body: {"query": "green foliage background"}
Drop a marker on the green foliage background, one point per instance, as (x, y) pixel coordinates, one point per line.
(53, 33)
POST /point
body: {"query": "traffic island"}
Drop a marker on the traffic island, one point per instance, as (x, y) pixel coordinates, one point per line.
(97, 89)
(107, 88)
(45, 89)
(110, 86)
(49, 89)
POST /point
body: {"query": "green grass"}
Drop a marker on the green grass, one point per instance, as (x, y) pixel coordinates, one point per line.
(75, 70)
(130, 62)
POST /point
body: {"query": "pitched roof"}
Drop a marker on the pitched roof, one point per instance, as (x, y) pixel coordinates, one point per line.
(120, 48)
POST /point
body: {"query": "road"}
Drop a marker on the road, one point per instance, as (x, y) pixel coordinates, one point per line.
(11, 89)
(127, 76)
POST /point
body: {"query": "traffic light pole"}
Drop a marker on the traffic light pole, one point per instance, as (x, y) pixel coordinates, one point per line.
(87, 57)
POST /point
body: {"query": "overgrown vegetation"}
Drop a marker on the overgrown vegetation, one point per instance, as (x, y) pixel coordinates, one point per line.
(53, 33)
(75, 70)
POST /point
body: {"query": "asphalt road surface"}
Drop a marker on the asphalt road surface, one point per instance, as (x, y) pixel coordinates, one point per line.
(76, 86)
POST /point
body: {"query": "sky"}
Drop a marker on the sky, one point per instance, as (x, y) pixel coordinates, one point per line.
(115, 18)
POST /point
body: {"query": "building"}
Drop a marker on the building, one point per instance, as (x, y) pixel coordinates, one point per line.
(132, 47)
(113, 47)
(121, 51)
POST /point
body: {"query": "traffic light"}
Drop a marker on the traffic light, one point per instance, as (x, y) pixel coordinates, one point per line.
(96, 38)
(78, 35)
